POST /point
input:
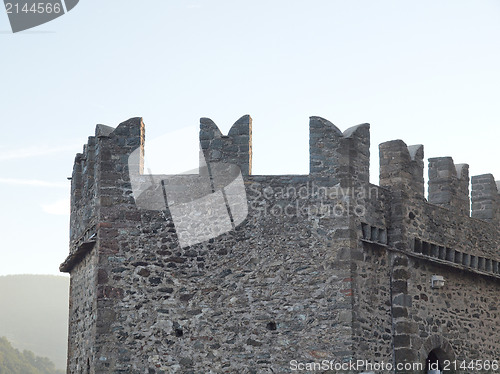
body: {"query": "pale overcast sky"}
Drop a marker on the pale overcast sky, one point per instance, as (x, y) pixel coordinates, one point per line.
(421, 71)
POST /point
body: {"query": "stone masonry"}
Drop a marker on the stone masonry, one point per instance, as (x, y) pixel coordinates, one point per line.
(324, 268)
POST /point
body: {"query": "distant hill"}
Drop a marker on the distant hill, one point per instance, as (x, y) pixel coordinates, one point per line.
(34, 314)
(14, 362)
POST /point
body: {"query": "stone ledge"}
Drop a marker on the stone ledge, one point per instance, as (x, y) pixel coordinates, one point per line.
(446, 263)
(75, 257)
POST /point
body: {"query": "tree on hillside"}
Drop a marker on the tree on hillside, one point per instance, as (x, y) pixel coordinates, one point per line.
(14, 362)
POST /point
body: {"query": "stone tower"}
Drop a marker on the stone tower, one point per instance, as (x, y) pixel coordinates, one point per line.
(228, 272)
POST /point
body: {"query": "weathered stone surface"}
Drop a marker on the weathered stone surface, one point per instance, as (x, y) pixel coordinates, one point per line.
(323, 266)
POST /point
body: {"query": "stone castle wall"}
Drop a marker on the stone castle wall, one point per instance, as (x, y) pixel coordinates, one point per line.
(325, 266)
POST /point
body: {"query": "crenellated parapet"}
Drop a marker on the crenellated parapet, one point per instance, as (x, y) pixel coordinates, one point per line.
(402, 168)
(233, 148)
(486, 198)
(336, 158)
(339, 157)
(449, 185)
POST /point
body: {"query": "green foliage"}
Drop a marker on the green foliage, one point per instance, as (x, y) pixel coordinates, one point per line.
(14, 362)
(34, 314)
